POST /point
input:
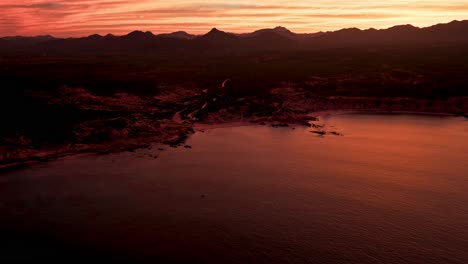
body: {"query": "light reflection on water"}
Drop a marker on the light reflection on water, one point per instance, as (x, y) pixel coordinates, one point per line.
(391, 190)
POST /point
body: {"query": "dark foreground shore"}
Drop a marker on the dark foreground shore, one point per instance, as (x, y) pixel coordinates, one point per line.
(97, 100)
(125, 122)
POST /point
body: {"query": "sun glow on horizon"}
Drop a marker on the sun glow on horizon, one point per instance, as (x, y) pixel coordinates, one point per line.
(65, 18)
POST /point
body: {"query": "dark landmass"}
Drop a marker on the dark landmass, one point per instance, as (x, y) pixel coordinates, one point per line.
(113, 93)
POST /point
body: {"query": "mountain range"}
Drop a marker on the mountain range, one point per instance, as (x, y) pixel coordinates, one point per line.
(279, 38)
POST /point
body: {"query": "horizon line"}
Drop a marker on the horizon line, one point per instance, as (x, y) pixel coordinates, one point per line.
(230, 32)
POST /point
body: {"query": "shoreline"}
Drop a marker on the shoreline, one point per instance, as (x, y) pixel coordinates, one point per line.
(178, 138)
(388, 112)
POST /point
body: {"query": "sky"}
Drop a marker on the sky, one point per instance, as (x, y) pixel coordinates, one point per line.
(73, 18)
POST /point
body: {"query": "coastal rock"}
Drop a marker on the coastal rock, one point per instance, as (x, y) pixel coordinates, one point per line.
(322, 133)
(316, 125)
(335, 133)
(277, 124)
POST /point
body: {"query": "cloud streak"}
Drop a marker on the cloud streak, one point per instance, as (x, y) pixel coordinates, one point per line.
(83, 17)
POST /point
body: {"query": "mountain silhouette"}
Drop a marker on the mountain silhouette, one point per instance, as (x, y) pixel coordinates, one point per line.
(110, 36)
(269, 39)
(277, 30)
(216, 39)
(139, 35)
(453, 32)
(178, 34)
(216, 35)
(278, 38)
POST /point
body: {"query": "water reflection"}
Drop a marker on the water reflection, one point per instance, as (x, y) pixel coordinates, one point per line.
(391, 190)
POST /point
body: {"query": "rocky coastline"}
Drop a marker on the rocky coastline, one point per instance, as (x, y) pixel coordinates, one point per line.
(125, 122)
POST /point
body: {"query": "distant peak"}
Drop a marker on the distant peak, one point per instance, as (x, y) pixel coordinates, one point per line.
(280, 28)
(283, 31)
(138, 33)
(458, 22)
(95, 36)
(215, 31)
(218, 35)
(177, 34)
(407, 26)
(348, 30)
(135, 32)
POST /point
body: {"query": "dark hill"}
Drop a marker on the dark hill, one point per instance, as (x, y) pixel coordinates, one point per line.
(453, 33)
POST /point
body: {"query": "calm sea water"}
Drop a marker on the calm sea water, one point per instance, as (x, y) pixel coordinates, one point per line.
(393, 189)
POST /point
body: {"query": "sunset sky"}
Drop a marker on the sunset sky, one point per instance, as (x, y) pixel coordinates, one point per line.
(84, 17)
